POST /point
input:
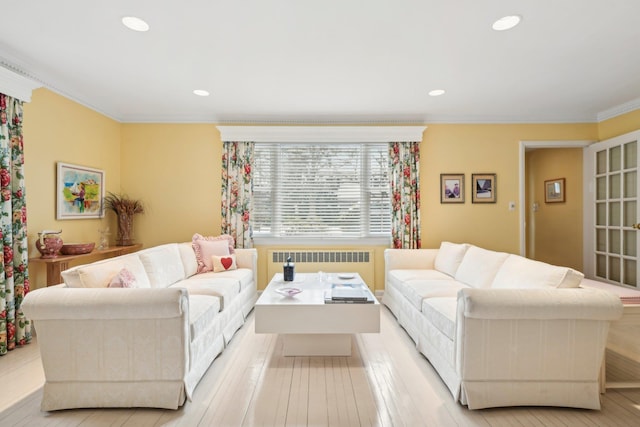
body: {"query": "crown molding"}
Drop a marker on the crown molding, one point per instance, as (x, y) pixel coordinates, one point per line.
(619, 110)
(321, 133)
(16, 86)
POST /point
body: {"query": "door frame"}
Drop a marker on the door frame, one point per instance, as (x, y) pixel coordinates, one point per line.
(524, 145)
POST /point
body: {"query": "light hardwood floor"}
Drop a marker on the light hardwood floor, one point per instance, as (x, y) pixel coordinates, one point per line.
(385, 382)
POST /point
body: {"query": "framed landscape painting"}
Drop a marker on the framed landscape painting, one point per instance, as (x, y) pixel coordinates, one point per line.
(484, 188)
(79, 192)
(452, 188)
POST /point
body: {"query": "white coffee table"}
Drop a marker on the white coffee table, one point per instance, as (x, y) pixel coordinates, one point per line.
(308, 325)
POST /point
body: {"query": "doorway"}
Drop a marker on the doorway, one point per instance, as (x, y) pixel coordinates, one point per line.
(547, 226)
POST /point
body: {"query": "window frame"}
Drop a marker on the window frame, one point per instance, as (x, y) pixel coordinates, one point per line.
(364, 235)
(322, 133)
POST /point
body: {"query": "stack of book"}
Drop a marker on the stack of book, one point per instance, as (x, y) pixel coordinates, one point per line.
(348, 294)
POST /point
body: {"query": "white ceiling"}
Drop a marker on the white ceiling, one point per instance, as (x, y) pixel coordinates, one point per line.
(332, 61)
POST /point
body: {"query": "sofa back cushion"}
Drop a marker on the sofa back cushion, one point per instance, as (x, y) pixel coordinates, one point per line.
(163, 265)
(449, 257)
(479, 267)
(189, 261)
(520, 272)
(100, 274)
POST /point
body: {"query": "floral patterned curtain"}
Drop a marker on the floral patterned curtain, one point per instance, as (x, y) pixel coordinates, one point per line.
(404, 174)
(14, 276)
(237, 158)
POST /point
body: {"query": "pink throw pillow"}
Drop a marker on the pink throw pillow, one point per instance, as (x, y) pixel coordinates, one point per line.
(223, 263)
(124, 279)
(206, 247)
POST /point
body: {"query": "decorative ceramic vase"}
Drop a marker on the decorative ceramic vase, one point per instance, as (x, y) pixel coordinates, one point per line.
(49, 243)
(125, 230)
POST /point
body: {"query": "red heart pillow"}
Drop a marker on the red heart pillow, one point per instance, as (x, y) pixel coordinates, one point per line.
(223, 262)
(226, 262)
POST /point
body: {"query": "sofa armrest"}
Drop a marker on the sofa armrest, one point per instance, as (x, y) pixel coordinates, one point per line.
(408, 259)
(62, 303)
(248, 258)
(531, 346)
(575, 303)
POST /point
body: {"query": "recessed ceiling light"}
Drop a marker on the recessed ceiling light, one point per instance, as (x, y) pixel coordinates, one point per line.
(436, 92)
(506, 22)
(201, 92)
(135, 24)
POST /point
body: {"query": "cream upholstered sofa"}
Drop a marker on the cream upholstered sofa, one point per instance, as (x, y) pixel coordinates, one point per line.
(500, 329)
(146, 346)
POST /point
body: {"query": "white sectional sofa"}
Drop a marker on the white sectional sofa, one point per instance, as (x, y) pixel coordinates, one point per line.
(144, 346)
(500, 329)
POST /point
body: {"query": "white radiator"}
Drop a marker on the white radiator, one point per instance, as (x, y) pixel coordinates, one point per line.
(331, 261)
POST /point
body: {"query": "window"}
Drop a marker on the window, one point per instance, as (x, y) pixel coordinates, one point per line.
(321, 190)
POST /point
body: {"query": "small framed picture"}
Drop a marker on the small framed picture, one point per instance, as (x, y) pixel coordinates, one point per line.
(554, 190)
(484, 188)
(451, 188)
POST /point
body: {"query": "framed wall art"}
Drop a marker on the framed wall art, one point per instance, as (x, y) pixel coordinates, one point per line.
(79, 192)
(554, 190)
(484, 188)
(451, 188)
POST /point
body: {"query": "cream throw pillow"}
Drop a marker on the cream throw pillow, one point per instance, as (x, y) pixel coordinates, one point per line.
(223, 263)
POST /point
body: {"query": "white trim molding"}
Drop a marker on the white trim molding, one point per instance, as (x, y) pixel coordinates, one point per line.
(16, 86)
(321, 133)
(619, 110)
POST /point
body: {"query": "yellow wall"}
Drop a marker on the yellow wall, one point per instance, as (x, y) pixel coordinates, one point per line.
(619, 125)
(554, 232)
(59, 130)
(472, 149)
(175, 170)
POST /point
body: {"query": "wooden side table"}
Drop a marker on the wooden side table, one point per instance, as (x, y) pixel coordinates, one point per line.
(60, 263)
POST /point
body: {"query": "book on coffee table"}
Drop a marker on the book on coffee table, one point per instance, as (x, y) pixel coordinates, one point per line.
(351, 294)
(348, 295)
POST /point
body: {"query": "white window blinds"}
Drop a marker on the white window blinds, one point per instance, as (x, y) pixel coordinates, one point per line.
(321, 190)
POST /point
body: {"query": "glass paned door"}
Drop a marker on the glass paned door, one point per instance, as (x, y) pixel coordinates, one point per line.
(611, 210)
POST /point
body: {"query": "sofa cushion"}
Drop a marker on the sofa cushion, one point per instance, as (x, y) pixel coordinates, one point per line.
(441, 312)
(225, 289)
(189, 261)
(202, 310)
(479, 267)
(163, 265)
(520, 272)
(417, 290)
(398, 276)
(242, 275)
(449, 257)
(99, 275)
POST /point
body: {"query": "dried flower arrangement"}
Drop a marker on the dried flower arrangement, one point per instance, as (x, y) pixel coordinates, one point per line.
(125, 208)
(123, 204)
